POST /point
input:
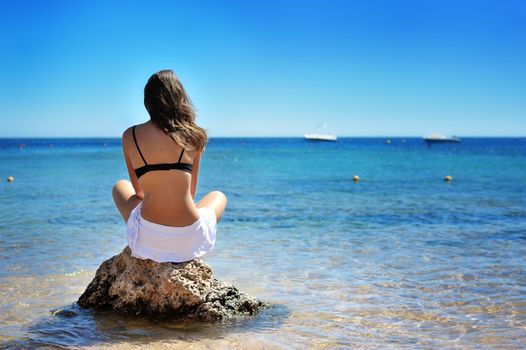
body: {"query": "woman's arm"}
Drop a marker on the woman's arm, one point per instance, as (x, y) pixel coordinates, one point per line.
(195, 174)
(131, 172)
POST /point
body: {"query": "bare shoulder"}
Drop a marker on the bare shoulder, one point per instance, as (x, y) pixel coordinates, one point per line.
(126, 136)
(127, 133)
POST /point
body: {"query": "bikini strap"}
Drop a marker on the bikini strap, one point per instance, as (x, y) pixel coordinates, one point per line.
(180, 156)
(137, 145)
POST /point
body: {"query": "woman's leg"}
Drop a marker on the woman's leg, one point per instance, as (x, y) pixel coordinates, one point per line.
(125, 198)
(216, 201)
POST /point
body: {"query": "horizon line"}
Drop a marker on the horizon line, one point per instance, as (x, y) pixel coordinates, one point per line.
(257, 137)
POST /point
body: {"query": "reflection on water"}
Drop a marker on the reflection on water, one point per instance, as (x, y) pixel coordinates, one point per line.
(74, 326)
(399, 260)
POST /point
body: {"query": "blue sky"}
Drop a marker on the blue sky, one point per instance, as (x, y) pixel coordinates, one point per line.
(267, 68)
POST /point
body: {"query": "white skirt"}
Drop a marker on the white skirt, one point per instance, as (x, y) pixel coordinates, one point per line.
(148, 240)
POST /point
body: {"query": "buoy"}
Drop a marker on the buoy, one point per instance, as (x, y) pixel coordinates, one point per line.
(448, 178)
(10, 179)
(356, 178)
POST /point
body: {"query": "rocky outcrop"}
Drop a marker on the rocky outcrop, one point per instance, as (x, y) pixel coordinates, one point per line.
(180, 290)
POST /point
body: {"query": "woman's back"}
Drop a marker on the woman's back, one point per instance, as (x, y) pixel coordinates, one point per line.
(167, 194)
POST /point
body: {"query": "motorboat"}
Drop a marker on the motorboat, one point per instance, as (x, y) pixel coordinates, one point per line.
(435, 138)
(321, 133)
(320, 137)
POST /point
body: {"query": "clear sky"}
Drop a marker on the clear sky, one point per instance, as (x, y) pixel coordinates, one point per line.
(267, 68)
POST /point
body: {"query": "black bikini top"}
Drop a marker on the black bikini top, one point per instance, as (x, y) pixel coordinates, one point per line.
(162, 166)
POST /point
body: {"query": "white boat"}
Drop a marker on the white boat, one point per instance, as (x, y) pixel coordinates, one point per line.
(321, 134)
(320, 137)
(435, 138)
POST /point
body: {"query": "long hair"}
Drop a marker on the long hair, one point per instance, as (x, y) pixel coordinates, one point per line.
(170, 108)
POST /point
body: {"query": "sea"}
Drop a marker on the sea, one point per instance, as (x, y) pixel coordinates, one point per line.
(400, 259)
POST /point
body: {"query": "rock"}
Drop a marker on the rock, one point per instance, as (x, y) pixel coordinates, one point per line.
(180, 290)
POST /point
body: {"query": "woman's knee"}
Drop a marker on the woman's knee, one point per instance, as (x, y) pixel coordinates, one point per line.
(219, 195)
(122, 190)
(219, 202)
(120, 186)
(215, 200)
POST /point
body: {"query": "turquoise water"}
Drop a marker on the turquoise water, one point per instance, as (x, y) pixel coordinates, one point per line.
(399, 259)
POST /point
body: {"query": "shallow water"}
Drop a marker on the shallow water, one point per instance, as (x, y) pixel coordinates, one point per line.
(401, 259)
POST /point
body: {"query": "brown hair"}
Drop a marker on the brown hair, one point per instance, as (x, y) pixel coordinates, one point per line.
(170, 108)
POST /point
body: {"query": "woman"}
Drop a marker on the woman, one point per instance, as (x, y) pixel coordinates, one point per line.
(162, 156)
